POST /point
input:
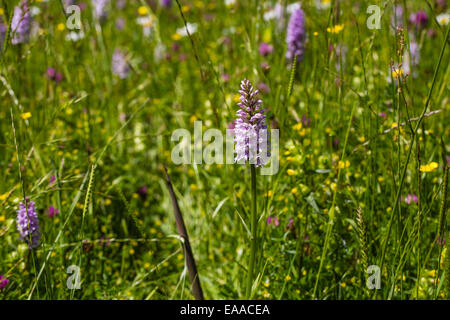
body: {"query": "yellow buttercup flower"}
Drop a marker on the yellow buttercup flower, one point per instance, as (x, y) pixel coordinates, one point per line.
(185, 8)
(4, 196)
(343, 165)
(336, 29)
(291, 172)
(176, 36)
(193, 118)
(142, 10)
(25, 115)
(398, 72)
(429, 167)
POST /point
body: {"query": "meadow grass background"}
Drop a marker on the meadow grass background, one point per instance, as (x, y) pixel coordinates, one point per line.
(116, 221)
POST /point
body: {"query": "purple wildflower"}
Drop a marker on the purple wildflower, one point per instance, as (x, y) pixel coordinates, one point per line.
(397, 16)
(51, 72)
(69, 2)
(52, 211)
(166, 3)
(341, 55)
(3, 29)
(411, 59)
(52, 182)
(100, 9)
(142, 191)
(296, 35)
(419, 19)
(53, 75)
(120, 4)
(21, 23)
(120, 65)
(250, 128)
(263, 87)
(265, 49)
(105, 241)
(290, 224)
(415, 53)
(59, 77)
(82, 5)
(225, 77)
(120, 23)
(28, 224)
(273, 220)
(3, 282)
(411, 197)
(306, 121)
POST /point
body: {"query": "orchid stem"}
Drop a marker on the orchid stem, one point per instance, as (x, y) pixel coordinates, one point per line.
(254, 232)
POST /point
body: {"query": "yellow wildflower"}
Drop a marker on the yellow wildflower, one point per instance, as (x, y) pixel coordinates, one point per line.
(429, 167)
(336, 29)
(291, 172)
(142, 10)
(398, 72)
(25, 115)
(176, 36)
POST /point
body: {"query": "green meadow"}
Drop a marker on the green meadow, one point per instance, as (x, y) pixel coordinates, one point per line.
(90, 98)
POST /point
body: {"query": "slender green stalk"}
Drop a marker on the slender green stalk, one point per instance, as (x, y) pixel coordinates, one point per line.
(254, 232)
(447, 268)
(362, 242)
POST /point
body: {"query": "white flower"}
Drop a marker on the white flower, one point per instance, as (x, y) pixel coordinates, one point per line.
(159, 51)
(323, 4)
(35, 11)
(230, 2)
(292, 7)
(191, 27)
(74, 36)
(279, 13)
(144, 21)
(443, 19)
